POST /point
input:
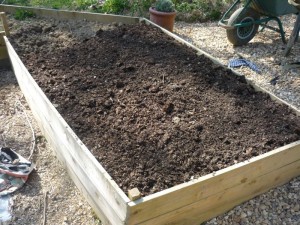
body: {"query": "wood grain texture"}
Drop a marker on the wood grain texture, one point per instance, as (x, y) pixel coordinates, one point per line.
(4, 23)
(3, 51)
(2, 42)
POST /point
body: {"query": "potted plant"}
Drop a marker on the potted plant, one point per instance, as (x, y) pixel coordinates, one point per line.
(163, 14)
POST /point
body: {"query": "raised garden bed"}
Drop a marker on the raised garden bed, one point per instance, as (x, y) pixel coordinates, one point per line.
(153, 112)
(155, 119)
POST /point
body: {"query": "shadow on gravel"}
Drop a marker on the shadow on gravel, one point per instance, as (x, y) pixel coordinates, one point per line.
(7, 77)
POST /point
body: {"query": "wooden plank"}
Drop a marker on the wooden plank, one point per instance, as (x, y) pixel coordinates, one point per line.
(4, 23)
(4, 59)
(219, 203)
(2, 42)
(73, 15)
(3, 53)
(108, 200)
(196, 190)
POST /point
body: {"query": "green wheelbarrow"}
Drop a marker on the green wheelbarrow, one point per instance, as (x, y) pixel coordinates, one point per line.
(242, 24)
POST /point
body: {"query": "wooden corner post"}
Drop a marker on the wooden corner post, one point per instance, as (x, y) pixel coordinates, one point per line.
(4, 23)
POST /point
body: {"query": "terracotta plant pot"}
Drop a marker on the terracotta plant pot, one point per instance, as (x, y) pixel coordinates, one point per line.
(163, 19)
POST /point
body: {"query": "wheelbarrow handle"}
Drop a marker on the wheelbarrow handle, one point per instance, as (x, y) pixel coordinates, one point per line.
(295, 3)
(224, 25)
(222, 21)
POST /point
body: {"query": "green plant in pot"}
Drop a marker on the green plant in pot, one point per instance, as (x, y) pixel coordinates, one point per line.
(163, 14)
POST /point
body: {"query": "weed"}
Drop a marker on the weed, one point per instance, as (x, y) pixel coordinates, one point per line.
(16, 2)
(40, 139)
(209, 9)
(54, 4)
(115, 6)
(140, 7)
(84, 4)
(96, 218)
(22, 14)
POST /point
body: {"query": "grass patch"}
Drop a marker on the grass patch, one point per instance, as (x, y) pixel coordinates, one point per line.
(115, 6)
(22, 14)
(96, 218)
(202, 10)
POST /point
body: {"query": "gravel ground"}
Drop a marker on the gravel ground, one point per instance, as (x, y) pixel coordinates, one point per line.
(279, 205)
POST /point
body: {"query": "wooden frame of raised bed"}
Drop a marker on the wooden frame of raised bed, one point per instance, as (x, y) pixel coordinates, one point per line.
(189, 203)
(3, 52)
(3, 32)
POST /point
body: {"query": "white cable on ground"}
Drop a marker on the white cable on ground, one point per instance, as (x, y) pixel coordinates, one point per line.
(45, 208)
(30, 125)
(4, 140)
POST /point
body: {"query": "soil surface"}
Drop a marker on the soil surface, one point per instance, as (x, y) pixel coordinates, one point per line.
(153, 112)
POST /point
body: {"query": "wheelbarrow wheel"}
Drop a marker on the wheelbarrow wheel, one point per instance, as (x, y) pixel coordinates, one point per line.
(242, 35)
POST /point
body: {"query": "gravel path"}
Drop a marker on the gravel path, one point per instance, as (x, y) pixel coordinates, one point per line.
(279, 205)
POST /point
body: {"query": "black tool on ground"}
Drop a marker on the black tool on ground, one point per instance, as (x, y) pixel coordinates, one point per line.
(13, 164)
(274, 80)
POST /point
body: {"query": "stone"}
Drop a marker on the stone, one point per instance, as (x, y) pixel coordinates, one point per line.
(243, 215)
(296, 208)
(175, 119)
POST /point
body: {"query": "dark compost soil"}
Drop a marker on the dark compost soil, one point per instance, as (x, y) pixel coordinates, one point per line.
(153, 112)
